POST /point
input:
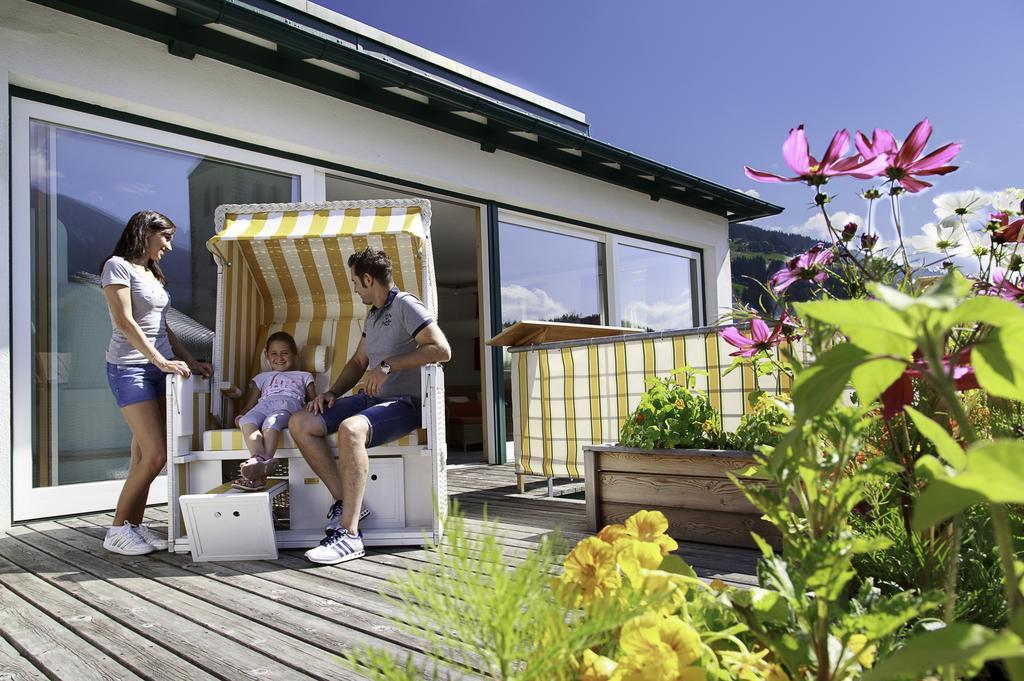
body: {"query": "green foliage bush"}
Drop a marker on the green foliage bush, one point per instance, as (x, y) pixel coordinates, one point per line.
(673, 415)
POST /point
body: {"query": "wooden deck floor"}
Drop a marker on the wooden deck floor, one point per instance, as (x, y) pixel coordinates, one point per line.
(70, 610)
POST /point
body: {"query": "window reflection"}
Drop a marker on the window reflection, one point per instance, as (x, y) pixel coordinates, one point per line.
(655, 290)
(550, 277)
(84, 187)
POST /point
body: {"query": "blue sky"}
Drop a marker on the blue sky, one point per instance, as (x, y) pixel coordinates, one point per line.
(708, 87)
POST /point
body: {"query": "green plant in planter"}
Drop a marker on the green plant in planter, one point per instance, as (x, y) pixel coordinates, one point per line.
(771, 416)
(673, 415)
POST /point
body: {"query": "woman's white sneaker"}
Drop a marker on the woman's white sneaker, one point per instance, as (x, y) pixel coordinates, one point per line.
(126, 541)
(150, 537)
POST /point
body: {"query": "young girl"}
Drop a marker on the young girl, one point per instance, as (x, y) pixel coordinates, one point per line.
(273, 396)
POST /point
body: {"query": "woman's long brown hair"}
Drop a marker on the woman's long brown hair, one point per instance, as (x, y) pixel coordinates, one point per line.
(132, 244)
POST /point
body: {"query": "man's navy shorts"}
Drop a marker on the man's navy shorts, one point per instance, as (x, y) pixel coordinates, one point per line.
(389, 417)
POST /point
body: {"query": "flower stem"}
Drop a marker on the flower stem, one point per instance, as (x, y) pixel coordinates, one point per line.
(1004, 539)
(894, 200)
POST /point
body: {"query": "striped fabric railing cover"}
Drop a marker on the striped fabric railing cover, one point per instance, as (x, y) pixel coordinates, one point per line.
(566, 395)
(286, 270)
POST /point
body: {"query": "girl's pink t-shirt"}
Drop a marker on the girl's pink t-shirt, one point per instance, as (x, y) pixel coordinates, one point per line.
(287, 385)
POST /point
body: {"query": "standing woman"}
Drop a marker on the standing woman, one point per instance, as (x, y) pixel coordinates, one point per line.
(141, 354)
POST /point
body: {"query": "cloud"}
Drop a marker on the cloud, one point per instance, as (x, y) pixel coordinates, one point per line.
(815, 228)
(660, 316)
(519, 302)
(139, 188)
(753, 192)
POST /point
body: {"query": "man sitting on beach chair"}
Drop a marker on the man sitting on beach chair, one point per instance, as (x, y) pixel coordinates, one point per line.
(400, 337)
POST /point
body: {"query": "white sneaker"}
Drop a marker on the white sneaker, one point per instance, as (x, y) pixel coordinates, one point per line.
(126, 541)
(337, 547)
(334, 516)
(150, 537)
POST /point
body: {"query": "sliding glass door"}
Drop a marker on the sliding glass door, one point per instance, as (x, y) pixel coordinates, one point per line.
(85, 177)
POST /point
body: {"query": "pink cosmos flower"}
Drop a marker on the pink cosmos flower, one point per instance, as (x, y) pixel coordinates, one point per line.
(809, 266)
(1004, 288)
(760, 337)
(902, 161)
(901, 392)
(1006, 230)
(797, 155)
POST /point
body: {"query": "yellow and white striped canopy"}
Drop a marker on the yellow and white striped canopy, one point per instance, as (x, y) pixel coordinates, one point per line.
(298, 258)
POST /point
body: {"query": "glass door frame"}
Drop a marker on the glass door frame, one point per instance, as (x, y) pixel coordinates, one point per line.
(30, 502)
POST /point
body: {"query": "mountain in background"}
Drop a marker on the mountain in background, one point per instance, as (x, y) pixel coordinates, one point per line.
(756, 255)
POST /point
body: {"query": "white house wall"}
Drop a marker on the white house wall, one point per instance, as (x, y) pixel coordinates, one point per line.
(49, 51)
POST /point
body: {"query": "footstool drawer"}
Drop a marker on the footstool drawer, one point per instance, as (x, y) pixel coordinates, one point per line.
(385, 493)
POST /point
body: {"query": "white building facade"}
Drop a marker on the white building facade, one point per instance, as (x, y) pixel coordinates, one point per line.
(182, 105)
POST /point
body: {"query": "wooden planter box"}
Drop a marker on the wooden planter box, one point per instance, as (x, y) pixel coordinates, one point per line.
(688, 485)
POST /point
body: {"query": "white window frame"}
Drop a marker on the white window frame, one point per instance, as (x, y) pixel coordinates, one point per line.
(34, 502)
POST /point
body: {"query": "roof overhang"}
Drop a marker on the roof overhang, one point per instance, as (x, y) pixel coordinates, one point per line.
(261, 40)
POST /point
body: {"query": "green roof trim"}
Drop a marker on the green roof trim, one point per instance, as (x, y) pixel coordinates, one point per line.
(189, 34)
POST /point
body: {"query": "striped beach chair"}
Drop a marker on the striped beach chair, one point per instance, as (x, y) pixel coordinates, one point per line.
(571, 394)
(283, 267)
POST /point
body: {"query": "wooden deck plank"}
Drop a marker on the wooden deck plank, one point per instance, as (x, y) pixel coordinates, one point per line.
(226, 646)
(16, 666)
(52, 647)
(207, 616)
(141, 655)
(286, 594)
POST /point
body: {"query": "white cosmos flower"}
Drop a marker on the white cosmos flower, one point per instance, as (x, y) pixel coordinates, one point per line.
(945, 238)
(1008, 200)
(965, 203)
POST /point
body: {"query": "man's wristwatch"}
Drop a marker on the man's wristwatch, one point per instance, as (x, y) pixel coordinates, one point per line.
(385, 367)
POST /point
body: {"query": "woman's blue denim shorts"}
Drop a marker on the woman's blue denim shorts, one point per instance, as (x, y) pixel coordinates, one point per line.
(134, 383)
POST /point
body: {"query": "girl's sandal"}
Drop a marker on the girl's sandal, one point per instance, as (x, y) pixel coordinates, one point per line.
(247, 469)
(246, 485)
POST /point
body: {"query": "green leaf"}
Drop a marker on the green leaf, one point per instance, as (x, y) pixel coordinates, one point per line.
(940, 500)
(677, 566)
(871, 378)
(998, 363)
(948, 448)
(995, 469)
(870, 324)
(818, 387)
(994, 474)
(958, 644)
(895, 299)
(986, 309)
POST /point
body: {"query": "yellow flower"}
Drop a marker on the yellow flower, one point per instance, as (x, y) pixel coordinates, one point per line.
(748, 666)
(612, 533)
(596, 667)
(668, 589)
(718, 585)
(650, 526)
(658, 647)
(590, 571)
(776, 674)
(634, 556)
(865, 653)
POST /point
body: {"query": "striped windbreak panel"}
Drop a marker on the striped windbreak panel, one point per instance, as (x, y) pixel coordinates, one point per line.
(287, 271)
(568, 397)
